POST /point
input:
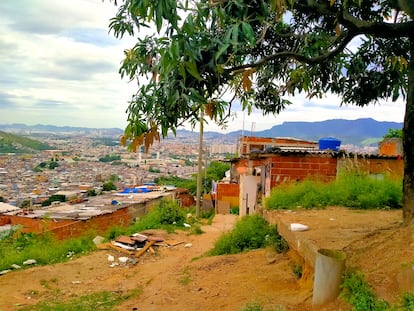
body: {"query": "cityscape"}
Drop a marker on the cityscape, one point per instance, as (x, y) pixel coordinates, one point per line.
(81, 164)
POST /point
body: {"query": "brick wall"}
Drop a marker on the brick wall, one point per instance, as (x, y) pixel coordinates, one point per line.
(69, 228)
(391, 167)
(285, 168)
(228, 193)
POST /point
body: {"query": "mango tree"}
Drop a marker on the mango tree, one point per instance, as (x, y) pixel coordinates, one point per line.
(260, 54)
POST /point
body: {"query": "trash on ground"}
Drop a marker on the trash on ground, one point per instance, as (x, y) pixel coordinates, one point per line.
(298, 227)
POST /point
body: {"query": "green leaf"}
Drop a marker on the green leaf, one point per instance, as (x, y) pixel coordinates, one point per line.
(248, 32)
(193, 70)
(222, 49)
(235, 34)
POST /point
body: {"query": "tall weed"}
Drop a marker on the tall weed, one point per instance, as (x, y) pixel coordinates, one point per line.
(45, 249)
(250, 232)
(353, 190)
(357, 292)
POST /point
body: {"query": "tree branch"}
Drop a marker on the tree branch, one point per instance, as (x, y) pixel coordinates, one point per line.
(345, 36)
(383, 30)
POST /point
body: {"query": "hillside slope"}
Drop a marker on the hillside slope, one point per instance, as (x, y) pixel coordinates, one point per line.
(11, 143)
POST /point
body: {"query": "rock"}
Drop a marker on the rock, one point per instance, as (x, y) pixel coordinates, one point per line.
(4, 272)
(98, 240)
(29, 262)
(14, 266)
(188, 245)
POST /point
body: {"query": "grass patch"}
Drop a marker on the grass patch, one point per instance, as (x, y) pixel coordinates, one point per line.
(357, 293)
(101, 301)
(355, 190)
(297, 270)
(250, 232)
(256, 306)
(185, 280)
(45, 249)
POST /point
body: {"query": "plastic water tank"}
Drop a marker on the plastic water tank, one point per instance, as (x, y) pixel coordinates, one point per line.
(329, 143)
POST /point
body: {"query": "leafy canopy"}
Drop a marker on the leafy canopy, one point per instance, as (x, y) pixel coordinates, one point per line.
(205, 55)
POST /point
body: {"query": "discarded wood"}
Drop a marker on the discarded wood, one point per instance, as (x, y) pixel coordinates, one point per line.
(120, 249)
(139, 237)
(125, 240)
(104, 245)
(174, 242)
(155, 239)
(148, 244)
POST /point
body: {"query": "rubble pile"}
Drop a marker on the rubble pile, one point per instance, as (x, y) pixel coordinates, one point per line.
(134, 246)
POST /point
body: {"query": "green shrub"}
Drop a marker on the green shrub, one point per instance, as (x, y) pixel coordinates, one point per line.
(167, 214)
(353, 190)
(408, 302)
(357, 292)
(250, 232)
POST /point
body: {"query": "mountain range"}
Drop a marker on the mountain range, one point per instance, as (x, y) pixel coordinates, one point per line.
(361, 132)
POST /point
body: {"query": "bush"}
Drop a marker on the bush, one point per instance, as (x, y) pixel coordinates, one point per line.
(356, 291)
(250, 232)
(408, 301)
(353, 190)
(167, 214)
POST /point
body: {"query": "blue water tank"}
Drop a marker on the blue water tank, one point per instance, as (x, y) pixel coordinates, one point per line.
(329, 143)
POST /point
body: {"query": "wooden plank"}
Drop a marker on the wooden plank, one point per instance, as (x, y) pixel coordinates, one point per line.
(104, 245)
(120, 249)
(148, 244)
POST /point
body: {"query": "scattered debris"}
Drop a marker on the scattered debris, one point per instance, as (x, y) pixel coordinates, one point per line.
(29, 262)
(134, 246)
(4, 272)
(111, 258)
(298, 227)
(187, 225)
(76, 282)
(123, 260)
(15, 267)
(188, 245)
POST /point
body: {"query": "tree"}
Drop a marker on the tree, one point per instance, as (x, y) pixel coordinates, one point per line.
(394, 133)
(263, 53)
(108, 186)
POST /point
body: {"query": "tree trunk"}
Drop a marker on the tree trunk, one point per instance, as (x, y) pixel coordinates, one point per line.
(408, 145)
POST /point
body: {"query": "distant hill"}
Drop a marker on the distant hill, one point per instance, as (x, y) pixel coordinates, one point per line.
(357, 132)
(360, 132)
(11, 143)
(40, 128)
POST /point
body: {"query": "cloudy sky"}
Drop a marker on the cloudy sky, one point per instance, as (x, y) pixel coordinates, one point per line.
(59, 66)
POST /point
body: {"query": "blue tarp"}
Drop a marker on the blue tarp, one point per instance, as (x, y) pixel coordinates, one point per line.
(135, 190)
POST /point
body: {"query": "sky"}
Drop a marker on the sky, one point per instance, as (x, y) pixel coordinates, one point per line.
(59, 66)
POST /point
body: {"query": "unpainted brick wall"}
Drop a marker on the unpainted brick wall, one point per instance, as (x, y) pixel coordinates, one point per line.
(300, 167)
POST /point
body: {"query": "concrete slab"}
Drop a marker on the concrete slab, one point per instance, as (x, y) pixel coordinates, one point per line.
(331, 228)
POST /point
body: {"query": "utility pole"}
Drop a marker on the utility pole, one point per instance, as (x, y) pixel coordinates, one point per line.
(200, 164)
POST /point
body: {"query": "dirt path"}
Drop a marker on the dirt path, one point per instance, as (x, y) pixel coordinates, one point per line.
(176, 278)
(170, 279)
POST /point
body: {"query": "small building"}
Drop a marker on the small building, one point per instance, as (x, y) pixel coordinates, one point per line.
(266, 166)
(73, 220)
(391, 147)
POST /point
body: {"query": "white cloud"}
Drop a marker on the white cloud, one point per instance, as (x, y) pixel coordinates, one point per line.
(60, 67)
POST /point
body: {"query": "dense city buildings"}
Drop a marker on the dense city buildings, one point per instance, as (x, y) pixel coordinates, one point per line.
(78, 163)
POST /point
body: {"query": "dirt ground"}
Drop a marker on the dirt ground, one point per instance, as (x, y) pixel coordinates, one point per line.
(179, 278)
